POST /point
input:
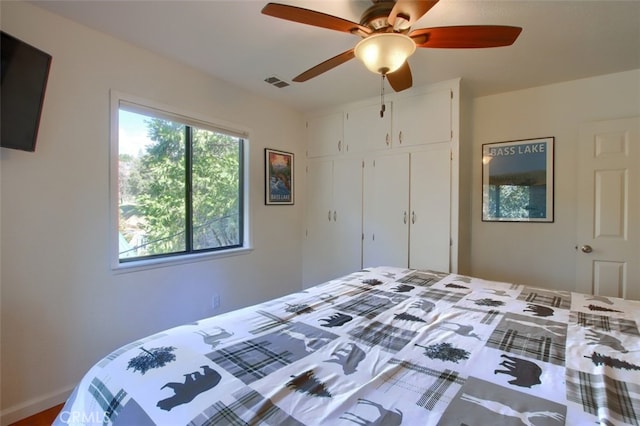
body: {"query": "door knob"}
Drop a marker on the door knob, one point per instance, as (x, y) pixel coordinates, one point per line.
(586, 248)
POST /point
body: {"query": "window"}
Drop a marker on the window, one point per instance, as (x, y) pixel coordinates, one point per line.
(180, 185)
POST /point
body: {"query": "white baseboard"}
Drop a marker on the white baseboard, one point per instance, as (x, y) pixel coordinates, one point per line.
(34, 406)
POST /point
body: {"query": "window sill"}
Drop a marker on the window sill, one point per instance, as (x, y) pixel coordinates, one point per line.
(141, 265)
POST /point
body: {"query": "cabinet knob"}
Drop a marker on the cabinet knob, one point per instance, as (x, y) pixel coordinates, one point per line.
(405, 218)
(329, 215)
(413, 217)
(339, 146)
(387, 139)
(400, 136)
(335, 216)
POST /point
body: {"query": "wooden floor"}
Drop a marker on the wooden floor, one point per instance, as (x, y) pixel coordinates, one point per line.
(44, 418)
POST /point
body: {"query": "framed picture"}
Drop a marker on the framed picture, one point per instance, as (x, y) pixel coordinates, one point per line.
(517, 181)
(278, 177)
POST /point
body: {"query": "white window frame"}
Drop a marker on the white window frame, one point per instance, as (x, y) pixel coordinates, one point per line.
(116, 99)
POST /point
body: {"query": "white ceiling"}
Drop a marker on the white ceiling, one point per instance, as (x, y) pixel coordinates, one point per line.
(232, 40)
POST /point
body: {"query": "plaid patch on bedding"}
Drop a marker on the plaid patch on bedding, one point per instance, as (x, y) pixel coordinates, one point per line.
(247, 404)
(110, 404)
(599, 393)
(430, 389)
(442, 295)
(385, 336)
(604, 323)
(422, 278)
(371, 304)
(252, 360)
(554, 299)
(381, 346)
(530, 337)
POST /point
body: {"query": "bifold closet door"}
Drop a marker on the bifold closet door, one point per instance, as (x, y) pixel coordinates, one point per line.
(430, 217)
(386, 211)
(347, 217)
(318, 244)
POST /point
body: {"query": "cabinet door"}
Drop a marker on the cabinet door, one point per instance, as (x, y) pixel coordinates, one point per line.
(422, 119)
(318, 245)
(346, 234)
(333, 237)
(365, 130)
(430, 202)
(386, 213)
(324, 135)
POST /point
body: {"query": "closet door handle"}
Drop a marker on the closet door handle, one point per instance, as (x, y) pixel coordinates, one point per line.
(405, 218)
(387, 139)
(335, 216)
(413, 217)
(400, 137)
(339, 146)
(329, 215)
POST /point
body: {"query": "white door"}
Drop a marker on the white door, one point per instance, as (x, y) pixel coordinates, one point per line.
(319, 223)
(608, 245)
(347, 217)
(430, 228)
(386, 211)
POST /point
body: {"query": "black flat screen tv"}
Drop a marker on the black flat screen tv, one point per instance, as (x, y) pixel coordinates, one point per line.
(23, 78)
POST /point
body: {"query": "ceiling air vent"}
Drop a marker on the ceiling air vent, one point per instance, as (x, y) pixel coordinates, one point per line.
(276, 81)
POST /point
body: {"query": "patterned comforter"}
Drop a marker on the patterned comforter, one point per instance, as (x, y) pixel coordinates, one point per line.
(383, 346)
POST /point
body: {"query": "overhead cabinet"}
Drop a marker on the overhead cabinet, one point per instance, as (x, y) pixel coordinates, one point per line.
(417, 119)
(423, 118)
(366, 129)
(325, 135)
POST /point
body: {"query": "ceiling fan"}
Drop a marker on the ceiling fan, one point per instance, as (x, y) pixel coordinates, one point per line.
(387, 37)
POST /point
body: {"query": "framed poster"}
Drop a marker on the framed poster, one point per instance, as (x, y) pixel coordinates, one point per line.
(278, 177)
(517, 181)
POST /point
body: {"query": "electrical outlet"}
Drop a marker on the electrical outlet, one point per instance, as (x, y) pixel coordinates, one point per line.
(215, 301)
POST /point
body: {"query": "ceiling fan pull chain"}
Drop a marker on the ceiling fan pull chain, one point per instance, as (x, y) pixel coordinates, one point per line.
(382, 106)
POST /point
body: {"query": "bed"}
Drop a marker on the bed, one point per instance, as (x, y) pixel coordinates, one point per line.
(382, 346)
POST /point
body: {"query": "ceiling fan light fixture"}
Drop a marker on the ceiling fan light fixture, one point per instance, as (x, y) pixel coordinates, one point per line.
(385, 52)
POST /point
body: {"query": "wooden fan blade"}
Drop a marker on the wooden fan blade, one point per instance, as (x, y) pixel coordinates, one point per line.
(311, 17)
(325, 66)
(409, 11)
(465, 37)
(401, 78)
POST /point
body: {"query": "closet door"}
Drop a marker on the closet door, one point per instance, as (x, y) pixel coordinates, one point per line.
(318, 245)
(430, 200)
(386, 211)
(333, 236)
(346, 249)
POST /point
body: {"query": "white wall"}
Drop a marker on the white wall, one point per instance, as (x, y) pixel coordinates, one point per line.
(62, 308)
(537, 253)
